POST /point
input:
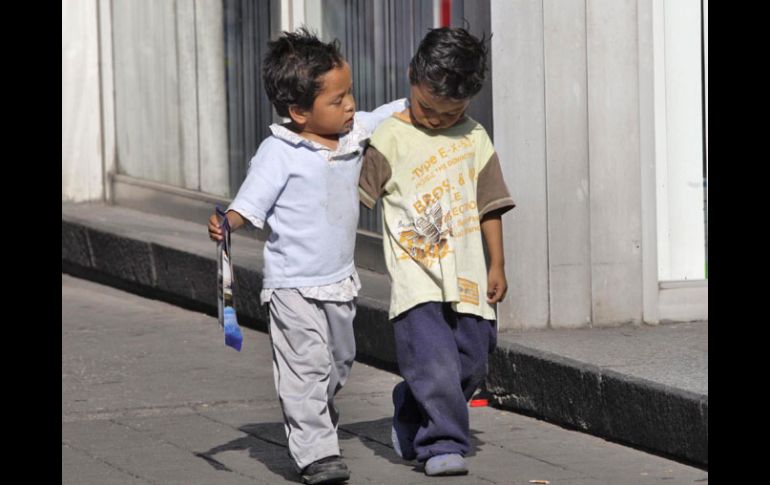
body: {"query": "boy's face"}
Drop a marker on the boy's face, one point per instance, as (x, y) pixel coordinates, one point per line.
(433, 112)
(334, 107)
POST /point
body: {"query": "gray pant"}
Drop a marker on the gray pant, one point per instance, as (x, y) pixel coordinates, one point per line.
(313, 351)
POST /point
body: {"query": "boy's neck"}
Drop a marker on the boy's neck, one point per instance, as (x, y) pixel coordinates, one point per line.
(405, 115)
(329, 141)
(408, 117)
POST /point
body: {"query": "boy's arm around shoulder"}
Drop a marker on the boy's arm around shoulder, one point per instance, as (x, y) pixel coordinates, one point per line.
(370, 119)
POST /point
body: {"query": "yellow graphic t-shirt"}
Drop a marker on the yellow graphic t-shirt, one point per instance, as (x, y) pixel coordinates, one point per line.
(435, 185)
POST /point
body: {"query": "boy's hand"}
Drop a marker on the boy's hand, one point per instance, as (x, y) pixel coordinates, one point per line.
(215, 231)
(497, 285)
(233, 218)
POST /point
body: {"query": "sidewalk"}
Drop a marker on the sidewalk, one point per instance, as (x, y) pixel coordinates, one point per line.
(150, 395)
(646, 386)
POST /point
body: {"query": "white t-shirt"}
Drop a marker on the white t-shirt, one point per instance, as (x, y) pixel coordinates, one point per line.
(435, 185)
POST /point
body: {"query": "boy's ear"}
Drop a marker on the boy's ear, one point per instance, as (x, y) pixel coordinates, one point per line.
(297, 115)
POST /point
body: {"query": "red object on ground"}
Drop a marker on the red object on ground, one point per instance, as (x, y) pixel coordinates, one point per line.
(479, 403)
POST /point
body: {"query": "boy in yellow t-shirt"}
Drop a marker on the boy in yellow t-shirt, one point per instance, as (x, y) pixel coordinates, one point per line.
(442, 189)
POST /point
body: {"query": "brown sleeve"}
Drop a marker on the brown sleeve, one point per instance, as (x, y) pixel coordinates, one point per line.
(491, 191)
(375, 173)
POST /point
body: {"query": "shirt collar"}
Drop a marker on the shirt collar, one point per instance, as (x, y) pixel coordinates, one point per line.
(351, 143)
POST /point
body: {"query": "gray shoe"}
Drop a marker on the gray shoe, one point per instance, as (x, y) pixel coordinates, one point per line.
(326, 471)
(442, 465)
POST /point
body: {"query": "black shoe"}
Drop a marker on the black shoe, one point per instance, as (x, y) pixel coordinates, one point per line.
(326, 470)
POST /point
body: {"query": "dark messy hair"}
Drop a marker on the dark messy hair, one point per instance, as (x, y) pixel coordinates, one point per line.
(292, 66)
(451, 62)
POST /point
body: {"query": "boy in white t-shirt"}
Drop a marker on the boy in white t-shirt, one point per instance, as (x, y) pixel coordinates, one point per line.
(442, 188)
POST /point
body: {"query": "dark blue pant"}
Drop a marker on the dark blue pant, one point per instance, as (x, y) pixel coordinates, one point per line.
(442, 356)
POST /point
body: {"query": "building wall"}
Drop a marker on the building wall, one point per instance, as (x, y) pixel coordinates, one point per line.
(82, 150)
(170, 99)
(575, 92)
(582, 90)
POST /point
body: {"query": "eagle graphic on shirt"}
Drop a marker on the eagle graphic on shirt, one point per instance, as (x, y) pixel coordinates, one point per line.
(425, 239)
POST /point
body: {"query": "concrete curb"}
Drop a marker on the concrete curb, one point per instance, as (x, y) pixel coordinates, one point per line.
(605, 403)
